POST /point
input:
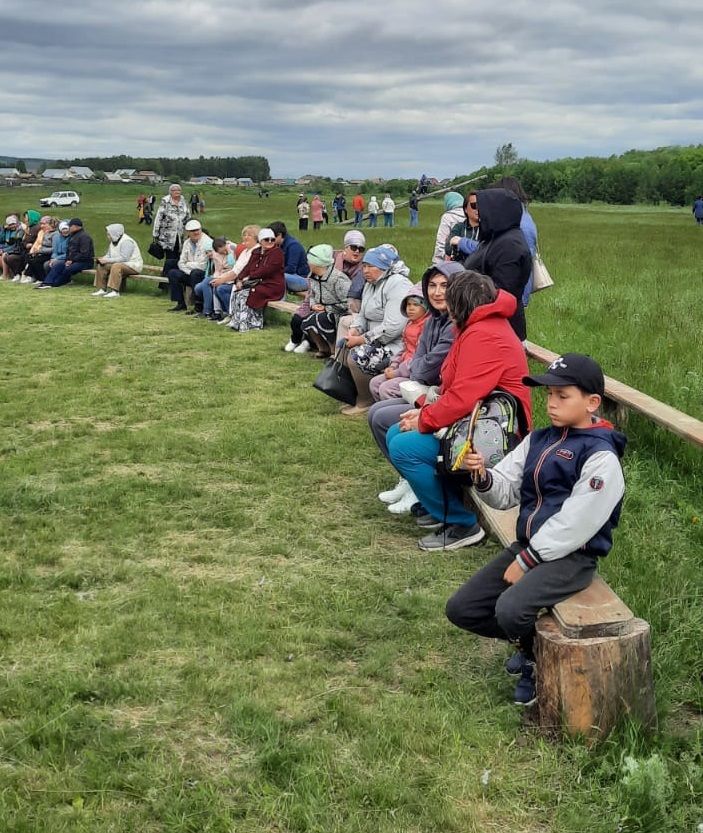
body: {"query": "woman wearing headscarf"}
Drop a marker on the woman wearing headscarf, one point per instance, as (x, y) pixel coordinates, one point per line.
(262, 280)
(453, 214)
(376, 331)
(326, 301)
(15, 259)
(40, 252)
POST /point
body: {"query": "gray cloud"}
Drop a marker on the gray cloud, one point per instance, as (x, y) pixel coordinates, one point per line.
(351, 89)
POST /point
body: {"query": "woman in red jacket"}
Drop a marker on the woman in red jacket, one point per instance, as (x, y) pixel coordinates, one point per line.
(259, 282)
(485, 355)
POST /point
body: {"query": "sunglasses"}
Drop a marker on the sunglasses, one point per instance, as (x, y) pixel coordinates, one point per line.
(268, 239)
(473, 205)
(353, 248)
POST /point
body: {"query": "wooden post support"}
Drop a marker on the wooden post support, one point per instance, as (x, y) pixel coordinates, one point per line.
(594, 665)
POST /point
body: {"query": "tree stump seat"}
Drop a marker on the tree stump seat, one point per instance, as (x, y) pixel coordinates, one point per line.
(594, 664)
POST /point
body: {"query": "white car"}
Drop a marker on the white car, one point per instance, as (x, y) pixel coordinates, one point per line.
(60, 198)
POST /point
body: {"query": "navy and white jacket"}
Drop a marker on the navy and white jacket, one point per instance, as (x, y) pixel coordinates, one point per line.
(569, 485)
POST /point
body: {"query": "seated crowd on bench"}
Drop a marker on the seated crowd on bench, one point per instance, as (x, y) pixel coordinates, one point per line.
(420, 355)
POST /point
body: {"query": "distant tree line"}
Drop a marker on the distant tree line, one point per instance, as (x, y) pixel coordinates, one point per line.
(671, 175)
(256, 167)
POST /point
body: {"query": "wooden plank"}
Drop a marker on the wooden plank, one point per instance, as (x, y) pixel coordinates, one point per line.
(595, 611)
(153, 278)
(501, 522)
(679, 423)
(284, 306)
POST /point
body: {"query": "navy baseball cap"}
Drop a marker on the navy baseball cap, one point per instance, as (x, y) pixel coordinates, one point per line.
(571, 369)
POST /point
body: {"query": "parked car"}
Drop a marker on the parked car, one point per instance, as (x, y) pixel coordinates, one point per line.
(60, 198)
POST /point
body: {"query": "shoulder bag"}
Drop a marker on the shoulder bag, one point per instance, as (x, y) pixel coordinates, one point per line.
(335, 379)
(541, 279)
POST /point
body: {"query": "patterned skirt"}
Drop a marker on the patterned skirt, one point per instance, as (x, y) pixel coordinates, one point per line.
(243, 317)
(322, 323)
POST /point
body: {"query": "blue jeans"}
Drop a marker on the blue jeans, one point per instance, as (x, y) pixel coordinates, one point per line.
(373, 220)
(388, 219)
(61, 274)
(358, 217)
(205, 291)
(296, 283)
(223, 294)
(413, 217)
(414, 455)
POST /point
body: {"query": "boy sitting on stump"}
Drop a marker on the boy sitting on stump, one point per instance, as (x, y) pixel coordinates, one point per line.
(569, 484)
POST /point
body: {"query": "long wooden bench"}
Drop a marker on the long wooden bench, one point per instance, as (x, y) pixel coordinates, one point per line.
(621, 398)
(282, 306)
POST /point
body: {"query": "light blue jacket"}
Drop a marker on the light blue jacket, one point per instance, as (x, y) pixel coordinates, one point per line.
(59, 246)
(529, 230)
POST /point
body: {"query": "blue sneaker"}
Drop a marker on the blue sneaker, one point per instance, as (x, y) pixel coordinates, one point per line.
(525, 690)
(513, 664)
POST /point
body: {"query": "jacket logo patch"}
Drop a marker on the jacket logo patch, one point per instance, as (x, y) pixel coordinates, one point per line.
(565, 453)
(596, 483)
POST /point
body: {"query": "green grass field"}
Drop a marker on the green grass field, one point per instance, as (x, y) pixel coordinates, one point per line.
(208, 621)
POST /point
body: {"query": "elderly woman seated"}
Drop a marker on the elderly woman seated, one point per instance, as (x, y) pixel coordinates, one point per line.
(376, 331)
(15, 259)
(315, 321)
(40, 252)
(262, 280)
(485, 355)
(224, 284)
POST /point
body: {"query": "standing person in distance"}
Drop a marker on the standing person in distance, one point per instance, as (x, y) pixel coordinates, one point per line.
(169, 226)
(303, 209)
(698, 210)
(414, 209)
(388, 208)
(373, 208)
(358, 205)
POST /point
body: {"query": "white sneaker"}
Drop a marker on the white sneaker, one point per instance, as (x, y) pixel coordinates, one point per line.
(290, 347)
(396, 493)
(99, 293)
(26, 279)
(303, 347)
(404, 505)
(225, 320)
(17, 279)
(113, 293)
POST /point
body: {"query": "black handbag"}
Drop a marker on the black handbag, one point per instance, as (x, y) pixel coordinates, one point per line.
(335, 379)
(156, 250)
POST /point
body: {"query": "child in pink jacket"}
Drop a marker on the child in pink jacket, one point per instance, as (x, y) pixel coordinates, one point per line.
(416, 309)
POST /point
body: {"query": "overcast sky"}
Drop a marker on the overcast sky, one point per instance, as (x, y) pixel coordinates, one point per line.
(356, 88)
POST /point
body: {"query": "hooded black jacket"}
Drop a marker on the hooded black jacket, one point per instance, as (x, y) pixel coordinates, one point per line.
(503, 253)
